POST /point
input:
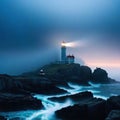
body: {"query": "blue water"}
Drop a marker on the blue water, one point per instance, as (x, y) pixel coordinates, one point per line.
(99, 90)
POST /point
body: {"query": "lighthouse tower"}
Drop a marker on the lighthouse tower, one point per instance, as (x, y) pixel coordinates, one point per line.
(63, 52)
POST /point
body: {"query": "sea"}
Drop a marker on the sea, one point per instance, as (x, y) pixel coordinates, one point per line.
(103, 91)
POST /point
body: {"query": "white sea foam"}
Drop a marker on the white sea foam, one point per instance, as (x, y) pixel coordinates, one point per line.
(99, 91)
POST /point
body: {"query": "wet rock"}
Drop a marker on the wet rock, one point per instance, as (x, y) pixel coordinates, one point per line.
(55, 75)
(113, 103)
(100, 76)
(13, 102)
(85, 73)
(91, 109)
(2, 118)
(9, 84)
(40, 85)
(75, 98)
(44, 88)
(26, 85)
(114, 115)
(76, 112)
(66, 73)
(96, 109)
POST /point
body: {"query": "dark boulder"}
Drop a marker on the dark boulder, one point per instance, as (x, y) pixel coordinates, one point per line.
(113, 103)
(2, 118)
(27, 85)
(100, 76)
(75, 97)
(96, 109)
(77, 74)
(76, 112)
(68, 73)
(8, 83)
(114, 115)
(85, 73)
(40, 85)
(91, 109)
(13, 102)
(47, 89)
(81, 76)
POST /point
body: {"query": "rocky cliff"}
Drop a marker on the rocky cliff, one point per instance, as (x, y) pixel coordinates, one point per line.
(14, 89)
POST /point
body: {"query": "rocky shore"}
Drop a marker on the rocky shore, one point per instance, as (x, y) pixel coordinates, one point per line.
(75, 98)
(90, 108)
(54, 75)
(13, 102)
(16, 92)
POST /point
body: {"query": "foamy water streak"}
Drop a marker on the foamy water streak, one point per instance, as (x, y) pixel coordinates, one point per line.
(50, 108)
(48, 113)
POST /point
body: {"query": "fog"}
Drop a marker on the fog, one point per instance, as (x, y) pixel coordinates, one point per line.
(31, 32)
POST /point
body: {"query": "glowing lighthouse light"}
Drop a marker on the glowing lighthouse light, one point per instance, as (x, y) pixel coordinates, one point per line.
(68, 44)
(63, 44)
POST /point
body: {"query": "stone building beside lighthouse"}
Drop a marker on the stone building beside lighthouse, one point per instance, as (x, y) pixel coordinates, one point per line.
(66, 59)
(70, 59)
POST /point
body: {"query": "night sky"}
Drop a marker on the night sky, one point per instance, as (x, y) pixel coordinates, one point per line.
(31, 32)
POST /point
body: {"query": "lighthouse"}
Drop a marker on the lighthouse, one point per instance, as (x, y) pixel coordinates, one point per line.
(63, 52)
(64, 58)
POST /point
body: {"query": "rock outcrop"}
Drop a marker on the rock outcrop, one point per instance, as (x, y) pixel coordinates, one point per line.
(75, 73)
(55, 75)
(76, 97)
(92, 109)
(113, 103)
(76, 112)
(101, 76)
(69, 73)
(40, 85)
(27, 85)
(15, 92)
(2, 118)
(13, 102)
(9, 84)
(96, 109)
(114, 115)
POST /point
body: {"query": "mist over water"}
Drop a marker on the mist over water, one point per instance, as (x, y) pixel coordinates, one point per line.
(114, 73)
(16, 63)
(30, 25)
(30, 33)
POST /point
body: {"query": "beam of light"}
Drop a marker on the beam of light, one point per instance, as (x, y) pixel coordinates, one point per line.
(68, 44)
(77, 43)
